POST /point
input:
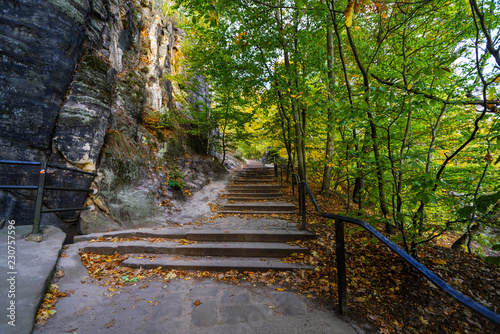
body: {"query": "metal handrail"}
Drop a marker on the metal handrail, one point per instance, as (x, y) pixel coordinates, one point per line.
(311, 196)
(15, 162)
(341, 263)
(35, 234)
(303, 188)
(340, 250)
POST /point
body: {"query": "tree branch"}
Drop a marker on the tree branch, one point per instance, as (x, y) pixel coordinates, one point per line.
(432, 97)
(489, 42)
(288, 7)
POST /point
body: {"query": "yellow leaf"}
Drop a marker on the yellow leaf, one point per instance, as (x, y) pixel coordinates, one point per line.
(410, 86)
(197, 303)
(280, 289)
(349, 13)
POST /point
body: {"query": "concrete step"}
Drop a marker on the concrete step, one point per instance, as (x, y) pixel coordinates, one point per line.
(270, 192)
(253, 180)
(247, 172)
(253, 176)
(251, 236)
(256, 167)
(269, 206)
(254, 198)
(255, 194)
(274, 235)
(259, 187)
(228, 249)
(227, 212)
(212, 263)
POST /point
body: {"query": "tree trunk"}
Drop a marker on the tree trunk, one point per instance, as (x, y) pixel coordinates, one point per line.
(457, 245)
(224, 135)
(359, 183)
(329, 151)
(298, 127)
(373, 129)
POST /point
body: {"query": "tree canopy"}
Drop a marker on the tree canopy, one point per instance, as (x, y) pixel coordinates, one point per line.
(391, 104)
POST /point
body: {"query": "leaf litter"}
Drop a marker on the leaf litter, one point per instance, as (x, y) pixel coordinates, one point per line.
(382, 289)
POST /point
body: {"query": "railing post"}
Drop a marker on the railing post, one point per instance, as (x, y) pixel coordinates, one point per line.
(281, 172)
(303, 197)
(275, 168)
(341, 269)
(299, 196)
(35, 234)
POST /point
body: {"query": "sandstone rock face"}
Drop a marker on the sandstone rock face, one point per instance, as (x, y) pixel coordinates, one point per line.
(39, 47)
(84, 84)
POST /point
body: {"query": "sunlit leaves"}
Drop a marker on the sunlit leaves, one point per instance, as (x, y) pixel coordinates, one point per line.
(349, 12)
(423, 51)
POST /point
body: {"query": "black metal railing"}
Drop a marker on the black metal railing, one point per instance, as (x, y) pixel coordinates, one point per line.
(341, 256)
(302, 190)
(41, 188)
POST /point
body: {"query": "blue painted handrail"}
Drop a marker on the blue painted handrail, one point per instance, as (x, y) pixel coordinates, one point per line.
(340, 253)
(480, 309)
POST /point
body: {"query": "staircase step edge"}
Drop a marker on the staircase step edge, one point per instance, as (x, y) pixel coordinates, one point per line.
(216, 264)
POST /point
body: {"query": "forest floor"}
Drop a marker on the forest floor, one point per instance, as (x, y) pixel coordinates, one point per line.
(382, 289)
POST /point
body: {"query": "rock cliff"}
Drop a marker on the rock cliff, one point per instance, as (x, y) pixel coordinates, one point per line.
(85, 84)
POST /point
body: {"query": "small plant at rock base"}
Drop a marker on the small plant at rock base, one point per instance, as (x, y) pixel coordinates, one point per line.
(175, 178)
(175, 184)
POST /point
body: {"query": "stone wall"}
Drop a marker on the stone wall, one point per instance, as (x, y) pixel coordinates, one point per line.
(83, 84)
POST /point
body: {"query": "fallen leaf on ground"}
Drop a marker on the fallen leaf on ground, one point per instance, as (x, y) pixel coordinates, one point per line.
(110, 324)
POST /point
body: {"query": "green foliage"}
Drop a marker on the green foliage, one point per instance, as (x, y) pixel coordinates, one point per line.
(401, 112)
(492, 260)
(170, 9)
(130, 279)
(175, 178)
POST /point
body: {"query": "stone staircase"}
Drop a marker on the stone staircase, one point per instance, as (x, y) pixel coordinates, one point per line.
(256, 183)
(225, 243)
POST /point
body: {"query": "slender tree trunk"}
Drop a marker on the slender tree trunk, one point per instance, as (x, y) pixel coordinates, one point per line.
(224, 136)
(286, 131)
(297, 121)
(373, 130)
(457, 245)
(298, 118)
(281, 111)
(329, 151)
(359, 180)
